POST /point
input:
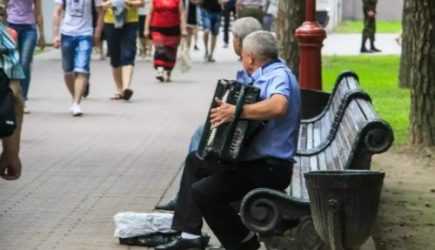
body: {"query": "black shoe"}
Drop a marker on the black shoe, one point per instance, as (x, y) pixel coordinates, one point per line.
(364, 50)
(86, 91)
(126, 94)
(170, 206)
(150, 240)
(183, 244)
(374, 49)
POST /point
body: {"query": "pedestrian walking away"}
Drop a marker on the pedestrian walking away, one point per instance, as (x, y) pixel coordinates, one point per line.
(211, 15)
(166, 22)
(229, 10)
(73, 34)
(369, 31)
(121, 19)
(192, 22)
(25, 17)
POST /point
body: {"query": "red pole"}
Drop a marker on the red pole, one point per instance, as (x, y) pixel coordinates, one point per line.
(310, 36)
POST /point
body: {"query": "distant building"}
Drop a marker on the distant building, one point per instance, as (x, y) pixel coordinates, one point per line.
(334, 9)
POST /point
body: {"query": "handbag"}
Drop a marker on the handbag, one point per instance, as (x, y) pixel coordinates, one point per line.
(184, 62)
(8, 121)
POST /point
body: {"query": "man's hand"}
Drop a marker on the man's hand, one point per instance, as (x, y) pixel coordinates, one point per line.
(97, 40)
(56, 42)
(223, 113)
(371, 13)
(41, 42)
(146, 33)
(10, 167)
(184, 32)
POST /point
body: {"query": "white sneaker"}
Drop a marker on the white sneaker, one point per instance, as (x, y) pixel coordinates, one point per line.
(75, 110)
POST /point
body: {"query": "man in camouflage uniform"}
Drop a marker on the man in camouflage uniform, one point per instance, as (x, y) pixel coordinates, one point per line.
(369, 11)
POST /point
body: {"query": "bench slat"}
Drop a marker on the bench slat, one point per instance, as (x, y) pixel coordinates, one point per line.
(328, 155)
(295, 184)
(317, 138)
(352, 83)
(367, 109)
(322, 161)
(334, 152)
(305, 168)
(341, 148)
(344, 140)
(302, 141)
(310, 137)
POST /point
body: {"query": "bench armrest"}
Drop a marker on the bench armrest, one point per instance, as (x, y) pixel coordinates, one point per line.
(266, 211)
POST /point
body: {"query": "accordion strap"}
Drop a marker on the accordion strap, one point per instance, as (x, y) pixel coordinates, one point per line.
(238, 111)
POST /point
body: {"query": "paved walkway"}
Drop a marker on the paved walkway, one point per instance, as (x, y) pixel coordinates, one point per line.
(350, 44)
(79, 172)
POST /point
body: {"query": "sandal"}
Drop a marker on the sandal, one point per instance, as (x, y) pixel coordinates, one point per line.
(126, 94)
(160, 72)
(116, 96)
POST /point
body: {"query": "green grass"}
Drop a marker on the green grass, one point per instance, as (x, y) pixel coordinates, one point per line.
(379, 77)
(357, 26)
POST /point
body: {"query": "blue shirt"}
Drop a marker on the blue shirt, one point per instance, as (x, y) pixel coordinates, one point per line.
(280, 136)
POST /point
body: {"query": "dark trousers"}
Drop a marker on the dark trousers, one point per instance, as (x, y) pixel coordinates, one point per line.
(207, 189)
(227, 19)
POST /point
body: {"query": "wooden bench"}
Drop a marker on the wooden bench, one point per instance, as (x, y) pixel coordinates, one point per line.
(356, 132)
(315, 131)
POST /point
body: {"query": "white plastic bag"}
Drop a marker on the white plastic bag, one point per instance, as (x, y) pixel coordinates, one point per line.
(184, 62)
(131, 224)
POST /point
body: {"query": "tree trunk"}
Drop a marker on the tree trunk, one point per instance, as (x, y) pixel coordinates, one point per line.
(421, 65)
(405, 72)
(291, 15)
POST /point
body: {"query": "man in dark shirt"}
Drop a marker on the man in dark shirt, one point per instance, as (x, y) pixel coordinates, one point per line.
(211, 19)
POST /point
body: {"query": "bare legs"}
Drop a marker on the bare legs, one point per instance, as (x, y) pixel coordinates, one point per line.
(192, 32)
(76, 85)
(10, 165)
(123, 76)
(209, 51)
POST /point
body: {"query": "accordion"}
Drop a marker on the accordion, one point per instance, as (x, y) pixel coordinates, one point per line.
(226, 142)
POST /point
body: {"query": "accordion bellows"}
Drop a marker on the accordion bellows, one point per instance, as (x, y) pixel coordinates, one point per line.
(227, 142)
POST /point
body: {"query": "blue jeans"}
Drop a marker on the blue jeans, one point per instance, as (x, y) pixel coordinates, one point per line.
(211, 21)
(27, 39)
(196, 138)
(76, 53)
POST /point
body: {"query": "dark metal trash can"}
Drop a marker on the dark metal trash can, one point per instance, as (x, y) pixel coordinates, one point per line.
(344, 205)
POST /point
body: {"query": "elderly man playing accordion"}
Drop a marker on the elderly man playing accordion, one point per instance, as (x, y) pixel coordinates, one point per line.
(207, 187)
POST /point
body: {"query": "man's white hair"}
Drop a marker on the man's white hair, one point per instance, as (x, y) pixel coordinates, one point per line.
(262, 44)
(245, 26)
